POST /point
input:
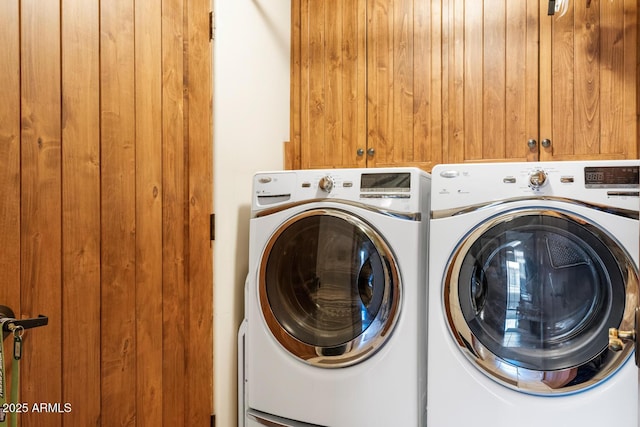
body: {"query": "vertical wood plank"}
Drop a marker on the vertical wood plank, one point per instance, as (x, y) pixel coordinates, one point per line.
(437, 81)
(199, 328)
(631, 85)
(81, 212)
(10, 156)
(149, 237)
(546, 99)
(587, 78)
(422, 79)
(354, 117)
(316, 80)
(118, 212)
(632, 21)
(380, 69)
(562, 46)
(305, 85)
(10, 164)
(515, 71)
(611, 88)
(447, 46)
(458, 91)
(332, 58)
(400, 147)
(474, 58)
(294, 146)
(533, 108)
(174, 315)
(494, 70)
(41, 203)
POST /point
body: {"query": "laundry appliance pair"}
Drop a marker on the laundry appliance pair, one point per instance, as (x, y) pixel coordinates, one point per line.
(525, 313)
(335, 299)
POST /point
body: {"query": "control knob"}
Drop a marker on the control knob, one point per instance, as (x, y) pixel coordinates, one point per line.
(537, 178)
(326, 184)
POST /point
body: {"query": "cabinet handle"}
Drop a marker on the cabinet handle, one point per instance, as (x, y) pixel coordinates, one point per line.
(532, 143)
(371, 151)
(546, 143)
(360, 152)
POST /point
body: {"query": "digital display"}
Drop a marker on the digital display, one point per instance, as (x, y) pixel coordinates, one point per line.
(611, 176)
(385, 181)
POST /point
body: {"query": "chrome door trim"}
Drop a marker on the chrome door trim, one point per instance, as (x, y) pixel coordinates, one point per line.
(409, 216)
(519, 378)
(446, 213)
(365, 344)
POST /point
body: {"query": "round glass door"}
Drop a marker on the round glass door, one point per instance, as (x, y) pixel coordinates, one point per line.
(531, 295)
(329, 288)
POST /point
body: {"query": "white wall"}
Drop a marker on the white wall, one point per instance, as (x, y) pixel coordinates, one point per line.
(251, 122)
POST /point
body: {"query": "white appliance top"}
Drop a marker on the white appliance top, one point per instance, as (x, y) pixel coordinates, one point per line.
(394, 189)
(610, 183)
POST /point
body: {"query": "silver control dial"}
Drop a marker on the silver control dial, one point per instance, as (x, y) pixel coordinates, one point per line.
(326, 184)
(537, 178)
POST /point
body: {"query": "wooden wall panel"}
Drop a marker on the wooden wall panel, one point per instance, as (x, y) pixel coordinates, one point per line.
(106, 176)
(41, 234)
(80, 212)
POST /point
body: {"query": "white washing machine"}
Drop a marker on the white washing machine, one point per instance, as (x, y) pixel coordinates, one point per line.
(533, 294)
(335, 299)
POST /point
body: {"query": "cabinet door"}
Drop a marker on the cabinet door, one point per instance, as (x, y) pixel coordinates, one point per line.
(404, 83)
(588, 81)
(328, 82)
(491, 67)
(366, 83)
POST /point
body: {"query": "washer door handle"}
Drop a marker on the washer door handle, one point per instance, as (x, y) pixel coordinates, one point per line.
(617, 337)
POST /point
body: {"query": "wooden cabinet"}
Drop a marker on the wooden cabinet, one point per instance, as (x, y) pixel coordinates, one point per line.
(589, 81)
(528, 86)
(398, 82)
(366, 83)
(492, 82)
(328, 82)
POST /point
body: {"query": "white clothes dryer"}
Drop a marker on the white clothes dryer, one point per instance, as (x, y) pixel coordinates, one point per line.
(335, 299)
(533, 294)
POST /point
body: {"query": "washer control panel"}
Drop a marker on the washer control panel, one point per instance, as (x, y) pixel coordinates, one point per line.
(398, 189)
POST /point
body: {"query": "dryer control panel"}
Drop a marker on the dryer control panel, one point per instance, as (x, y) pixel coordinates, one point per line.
(611, 177)
(608, 183)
